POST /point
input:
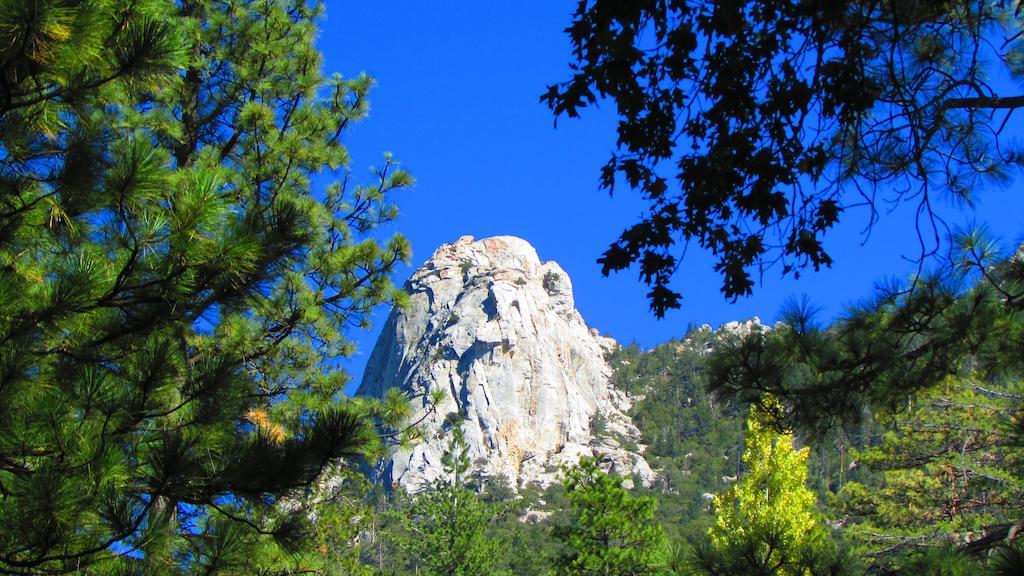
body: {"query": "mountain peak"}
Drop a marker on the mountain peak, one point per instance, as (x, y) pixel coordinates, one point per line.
(497, 328)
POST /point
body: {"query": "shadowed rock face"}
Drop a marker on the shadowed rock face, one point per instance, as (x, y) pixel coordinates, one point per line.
(498, 330)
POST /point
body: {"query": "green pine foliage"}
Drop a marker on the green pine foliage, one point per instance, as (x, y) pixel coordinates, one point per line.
(908, 337)
(945, 472)
(447, 529)
(181, 257)
(1005, 560)
(931, 372)
(693, 440)
(609, 532)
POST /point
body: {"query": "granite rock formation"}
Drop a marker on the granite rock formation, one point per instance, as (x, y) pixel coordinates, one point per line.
(498, 329)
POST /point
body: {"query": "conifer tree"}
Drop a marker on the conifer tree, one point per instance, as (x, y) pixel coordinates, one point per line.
(445, 529)
(610, 532)
(908, 337)
(181, 256)
(905, 346)
(946, 472)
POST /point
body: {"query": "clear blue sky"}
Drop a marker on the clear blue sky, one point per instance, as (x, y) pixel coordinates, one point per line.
(457, 104)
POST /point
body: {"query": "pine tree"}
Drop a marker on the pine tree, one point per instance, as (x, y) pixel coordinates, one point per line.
(445, 530)
(945, 472)
(908, 337)
(181, 256)
(945, 468)
(610, 532)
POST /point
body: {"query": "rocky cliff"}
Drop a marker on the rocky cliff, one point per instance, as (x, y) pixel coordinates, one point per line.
(499, 331)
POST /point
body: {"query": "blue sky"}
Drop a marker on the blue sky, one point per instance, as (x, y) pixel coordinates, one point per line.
(457, 102)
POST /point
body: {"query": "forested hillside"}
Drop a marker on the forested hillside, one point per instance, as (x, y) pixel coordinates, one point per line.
(693, 441)
(941, 469)
(933, 484)
(187, 254)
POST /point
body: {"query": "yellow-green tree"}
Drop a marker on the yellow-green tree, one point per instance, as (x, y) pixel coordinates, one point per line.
(765, 524)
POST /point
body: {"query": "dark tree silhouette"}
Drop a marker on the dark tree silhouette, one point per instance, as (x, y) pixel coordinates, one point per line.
(750, 127)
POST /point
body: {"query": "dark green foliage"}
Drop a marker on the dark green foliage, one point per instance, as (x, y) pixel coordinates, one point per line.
(530, 542)
(943, 561)
(750, 127)
(519, 523)
(821, 559)
(694, 441)
(446, 529)
(174, 290)
(832, 462)
(1008, 560)
(609, 531)
(551, 282)
(904, 340)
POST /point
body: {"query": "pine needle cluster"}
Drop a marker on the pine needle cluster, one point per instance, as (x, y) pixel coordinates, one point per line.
(181, 257)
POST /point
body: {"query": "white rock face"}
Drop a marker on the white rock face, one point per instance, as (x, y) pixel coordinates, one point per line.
(498, 330)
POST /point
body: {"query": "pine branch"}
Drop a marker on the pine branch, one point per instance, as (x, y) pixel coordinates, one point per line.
(983, 102)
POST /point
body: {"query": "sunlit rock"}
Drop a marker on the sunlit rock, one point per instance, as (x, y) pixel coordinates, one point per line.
(498, 330)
